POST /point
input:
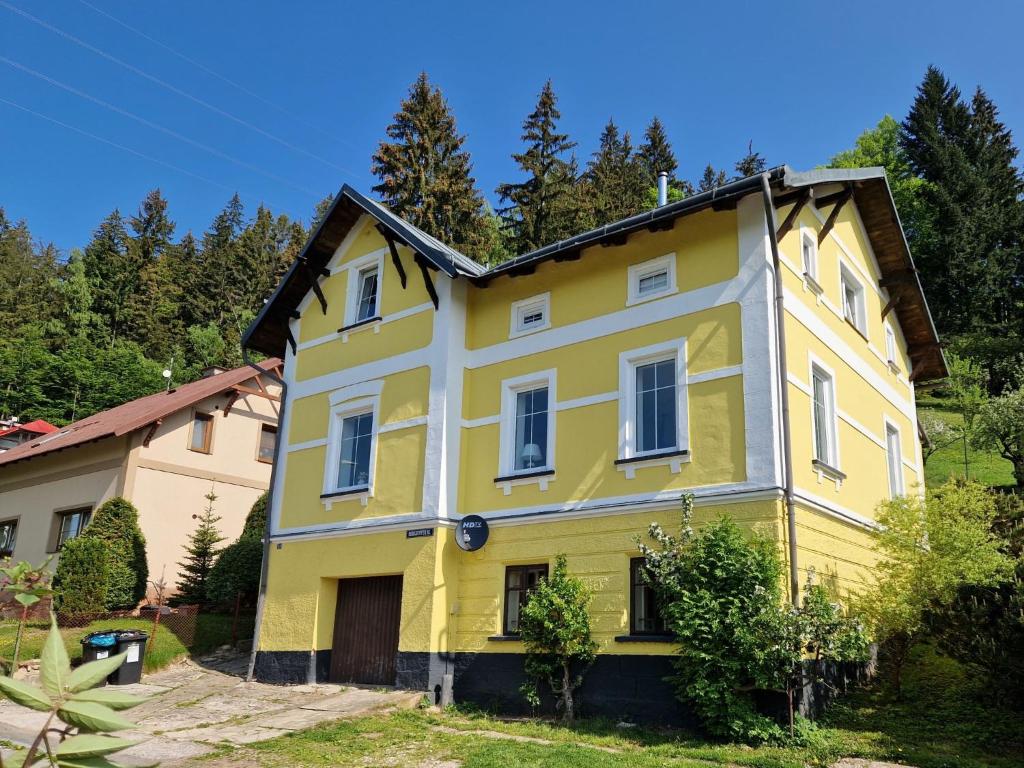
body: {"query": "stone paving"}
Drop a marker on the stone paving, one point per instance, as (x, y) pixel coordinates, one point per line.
(196, 705)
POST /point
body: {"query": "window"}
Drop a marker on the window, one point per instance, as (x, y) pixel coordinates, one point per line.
(895, 460)
(8, 534)
(530, 315)
(823, 414)
(527, 428)
(367, 307)
(202, 432)
(644, 615)
(853, 301)
(656, 406)
(652, 401)
(890, 345)
(809, 254)
(520, 580)
(531, 429)
(268, 441)
(652, 279)
(354, 460)
(70, 524)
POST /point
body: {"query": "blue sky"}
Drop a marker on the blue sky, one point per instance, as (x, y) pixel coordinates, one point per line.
(320, 80)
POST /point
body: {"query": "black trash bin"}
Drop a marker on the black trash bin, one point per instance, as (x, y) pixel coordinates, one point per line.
(99, 645)
(133, 643)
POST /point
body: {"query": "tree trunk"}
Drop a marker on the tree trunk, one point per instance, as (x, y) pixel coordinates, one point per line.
(1018, 471)
(568, 712)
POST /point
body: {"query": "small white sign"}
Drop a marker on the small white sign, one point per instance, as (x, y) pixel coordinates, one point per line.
(102, 654)
(133, 652)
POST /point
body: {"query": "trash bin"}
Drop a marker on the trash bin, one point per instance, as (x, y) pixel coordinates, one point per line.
(133, 643)
(98, 645)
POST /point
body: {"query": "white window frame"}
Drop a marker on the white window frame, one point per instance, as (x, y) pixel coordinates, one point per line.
(830, 462)
(809, 270)
(860, 322)
(637, 272)
(894, 464)
(353, 281)
(891, 346)
(629, 361)
(510, 389)
(525, 307)
(344, 403)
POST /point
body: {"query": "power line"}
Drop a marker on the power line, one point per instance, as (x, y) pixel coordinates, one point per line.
(156, 126)
(213, 73)
(172, 88)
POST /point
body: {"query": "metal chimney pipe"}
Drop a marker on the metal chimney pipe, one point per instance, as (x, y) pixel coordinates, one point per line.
(662, 188)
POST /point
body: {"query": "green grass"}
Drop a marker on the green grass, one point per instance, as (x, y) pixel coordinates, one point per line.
(212, 631)
(985, 466)
(942, 721)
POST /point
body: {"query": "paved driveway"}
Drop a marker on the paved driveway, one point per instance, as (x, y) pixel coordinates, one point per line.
(197, 705)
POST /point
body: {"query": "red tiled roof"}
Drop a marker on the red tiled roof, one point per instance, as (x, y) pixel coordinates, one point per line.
(130, 416)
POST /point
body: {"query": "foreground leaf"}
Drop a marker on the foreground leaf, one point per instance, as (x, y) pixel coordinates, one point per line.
(91, 745)
(54, 665)
(95, 762)
(26, 695)
(110, 697)
(93, 673)
(91, 716)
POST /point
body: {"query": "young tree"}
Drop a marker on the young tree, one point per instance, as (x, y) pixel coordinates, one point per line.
(751, 163)
(710, 179)
(425, 171)
(116, 524)
(200, 553)
(615, 178)
(555, 628)
(1000, 422)
(928, 548)
(540, 209)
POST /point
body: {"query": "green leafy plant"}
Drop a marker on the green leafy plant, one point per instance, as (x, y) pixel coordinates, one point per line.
(80, 584)
(27, 584)
(80, 715)
(116, 523)
(555, 629)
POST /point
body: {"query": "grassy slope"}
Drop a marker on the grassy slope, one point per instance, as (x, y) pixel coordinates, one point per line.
(985, 466)
(942, 722)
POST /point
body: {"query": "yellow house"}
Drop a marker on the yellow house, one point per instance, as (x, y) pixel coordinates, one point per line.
(164, 452)
(568, 398)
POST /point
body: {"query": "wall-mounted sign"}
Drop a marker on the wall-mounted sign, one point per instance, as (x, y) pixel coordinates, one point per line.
(416, 533)
(471, 533)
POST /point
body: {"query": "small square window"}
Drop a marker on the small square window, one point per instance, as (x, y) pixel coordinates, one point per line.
(652, 279)
(530, 315)
(268, 441)
(520, 581)
(202, 433)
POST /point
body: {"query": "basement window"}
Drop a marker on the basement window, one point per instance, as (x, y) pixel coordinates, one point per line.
(644, 615)
(520, 581)
(652, 279)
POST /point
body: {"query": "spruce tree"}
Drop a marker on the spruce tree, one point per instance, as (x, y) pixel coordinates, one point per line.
(425, 171)
(616, 179)
(116, 524)
(540, 209)
(108, 267)
(751, 163)
(655, 155)
(710, 179)
(200, 554)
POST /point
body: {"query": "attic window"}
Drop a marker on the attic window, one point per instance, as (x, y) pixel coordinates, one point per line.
(652, 279)
(530, 315)
(367, 294)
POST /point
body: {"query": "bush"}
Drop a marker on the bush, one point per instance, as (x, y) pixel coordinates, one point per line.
(80, 584)
(555, 628)
(237, 570)
(116, 524)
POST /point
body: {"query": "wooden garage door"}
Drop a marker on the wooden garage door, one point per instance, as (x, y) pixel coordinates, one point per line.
(366, 630)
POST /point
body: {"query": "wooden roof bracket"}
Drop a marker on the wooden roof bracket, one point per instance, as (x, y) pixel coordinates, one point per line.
(427, 282)
(791, 217)
(840, 199)
(900, 277)
(891, 304)
(152, 431)
(394, 254)
(291, 341)
(315, 283)
(918, 367)
(232, 399)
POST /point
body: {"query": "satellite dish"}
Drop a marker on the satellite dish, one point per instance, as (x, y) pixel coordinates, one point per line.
(167, 373)
(471, 533)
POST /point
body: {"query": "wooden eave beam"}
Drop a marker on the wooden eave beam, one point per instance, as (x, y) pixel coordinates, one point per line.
(394, 254)
(794, 212)
(233, 396)
(619, 238)
(918, 368)
(780, 201)
(573, 255)
(291, 340)
(241, 389)
(902, 277)
(315, 283)
(840, 201)
(525, 269)
(427, 282)
(891, 304)
(835, 197)
(152, 431)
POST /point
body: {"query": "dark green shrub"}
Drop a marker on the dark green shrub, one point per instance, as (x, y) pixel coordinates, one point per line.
(116, 524)
(237, 570)
(80, 584)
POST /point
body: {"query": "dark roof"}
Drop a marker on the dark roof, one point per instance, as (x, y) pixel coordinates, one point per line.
(268, 332)
(133, 415)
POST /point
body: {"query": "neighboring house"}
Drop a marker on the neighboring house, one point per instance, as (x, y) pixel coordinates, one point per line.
(570, 397)
(163, 452)
(13, 433)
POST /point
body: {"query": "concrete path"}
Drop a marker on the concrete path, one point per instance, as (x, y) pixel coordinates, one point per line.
(197, 705)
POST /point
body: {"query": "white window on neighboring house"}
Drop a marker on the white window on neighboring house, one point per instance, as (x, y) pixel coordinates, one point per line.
(894, 456)
(853, 301)
(527, 425)
(890, 346)
(367, 307)
(653, 419)
(352, 440)
(823, 415)
(652, 279)
(530, 315)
